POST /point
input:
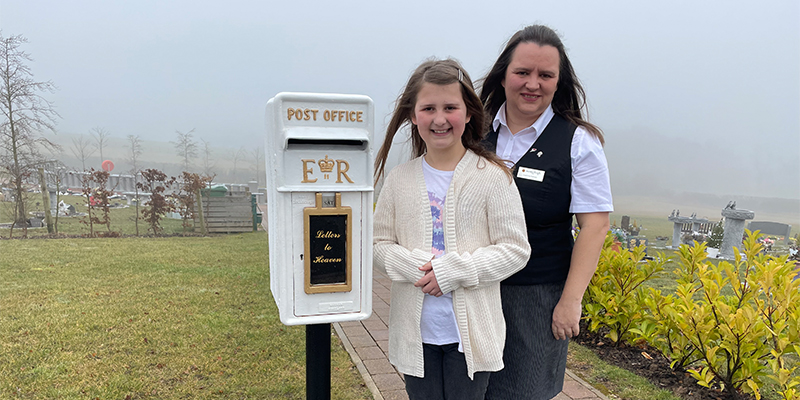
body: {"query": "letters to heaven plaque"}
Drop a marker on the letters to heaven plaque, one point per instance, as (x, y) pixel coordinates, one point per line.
(327, 236)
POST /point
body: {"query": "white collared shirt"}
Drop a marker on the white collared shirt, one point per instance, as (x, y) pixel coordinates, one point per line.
(590, 186)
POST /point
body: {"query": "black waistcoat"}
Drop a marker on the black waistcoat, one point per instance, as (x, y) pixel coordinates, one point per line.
(546, 202)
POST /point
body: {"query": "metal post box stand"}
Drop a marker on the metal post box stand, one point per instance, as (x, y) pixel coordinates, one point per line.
(319, 203)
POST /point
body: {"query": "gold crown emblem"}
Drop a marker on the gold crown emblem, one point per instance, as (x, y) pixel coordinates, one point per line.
(326, 165)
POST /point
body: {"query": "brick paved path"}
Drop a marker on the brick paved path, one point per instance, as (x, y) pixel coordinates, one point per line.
(368, 344)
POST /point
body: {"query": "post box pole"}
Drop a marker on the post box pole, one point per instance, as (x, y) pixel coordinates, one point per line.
(318, 362)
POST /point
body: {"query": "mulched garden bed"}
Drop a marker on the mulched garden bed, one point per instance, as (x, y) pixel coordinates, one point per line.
(648, 363)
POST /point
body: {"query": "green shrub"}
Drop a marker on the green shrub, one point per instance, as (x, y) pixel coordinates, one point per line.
(732, 324)
(613, 296)
(659, 327)
(717, 233)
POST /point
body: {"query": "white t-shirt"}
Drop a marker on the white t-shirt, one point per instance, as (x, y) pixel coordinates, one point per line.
(590, 187)
(438, 324)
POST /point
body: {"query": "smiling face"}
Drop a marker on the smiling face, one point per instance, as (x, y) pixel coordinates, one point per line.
(440, 116)
(530, 83)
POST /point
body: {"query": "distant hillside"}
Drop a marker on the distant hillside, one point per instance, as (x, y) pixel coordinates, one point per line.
(710, 206)
(162, 155)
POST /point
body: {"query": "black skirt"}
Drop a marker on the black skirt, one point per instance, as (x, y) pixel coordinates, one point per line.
(534, 360)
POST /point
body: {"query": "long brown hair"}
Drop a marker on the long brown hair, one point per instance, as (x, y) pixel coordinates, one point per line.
(569, 101)
(437, 72)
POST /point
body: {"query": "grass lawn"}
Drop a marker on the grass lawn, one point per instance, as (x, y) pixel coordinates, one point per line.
(611, 380)
(150, 318)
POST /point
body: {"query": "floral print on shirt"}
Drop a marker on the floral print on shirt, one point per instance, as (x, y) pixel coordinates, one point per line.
(437, 205)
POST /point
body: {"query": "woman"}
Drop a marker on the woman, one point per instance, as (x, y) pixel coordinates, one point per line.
(560, 169)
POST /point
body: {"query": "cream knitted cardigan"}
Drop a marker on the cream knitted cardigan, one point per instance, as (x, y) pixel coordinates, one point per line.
(485, 240)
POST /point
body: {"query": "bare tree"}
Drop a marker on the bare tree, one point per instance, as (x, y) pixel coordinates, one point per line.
(186, 148)
(258, 162)
(134, 152)
(80, 148)
(134, 147)
(208, 161)
(55, 180)
(25, 114)
(236, 157)
(100, 136)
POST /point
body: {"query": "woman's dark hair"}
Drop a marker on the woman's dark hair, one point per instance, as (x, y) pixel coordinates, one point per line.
(569, 100)
(437, 72)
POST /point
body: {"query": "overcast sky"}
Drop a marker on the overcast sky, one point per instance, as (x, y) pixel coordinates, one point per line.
(699, 96)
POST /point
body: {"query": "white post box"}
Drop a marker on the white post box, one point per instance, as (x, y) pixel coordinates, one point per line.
(319, 199)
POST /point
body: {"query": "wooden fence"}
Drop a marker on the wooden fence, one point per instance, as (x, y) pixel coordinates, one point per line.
(232, 212)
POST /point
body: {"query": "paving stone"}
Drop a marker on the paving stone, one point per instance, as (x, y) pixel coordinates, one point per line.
(372, 318)
(395, 395)
(384, 345)
(361, 341)
(354, 330)
(379, 366)
(370, 353)
(375, 325)
(561, 396)
(384, 316)
(575, 390)
(380, 311)
(386, 297)
(388, 382)
(379, 334)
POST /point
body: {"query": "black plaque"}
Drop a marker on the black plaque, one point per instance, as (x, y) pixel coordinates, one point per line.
(634, 242)
(327, 247)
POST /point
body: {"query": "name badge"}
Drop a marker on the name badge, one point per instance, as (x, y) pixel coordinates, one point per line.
(530, 174)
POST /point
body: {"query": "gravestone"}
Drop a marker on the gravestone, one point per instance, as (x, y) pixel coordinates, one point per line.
(679, 222)
(626, 222)
(772, 228)
(734, 230)
(633, 242)
(53, 203)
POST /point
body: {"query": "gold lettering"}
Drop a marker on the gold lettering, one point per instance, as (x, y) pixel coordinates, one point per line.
(342, 171)
(327, 115)
(303, 114)
(307, 170)
(327, 235)
(322, 259)
(327, 247)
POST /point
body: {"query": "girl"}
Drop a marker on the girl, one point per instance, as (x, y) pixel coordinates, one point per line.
(449, 227)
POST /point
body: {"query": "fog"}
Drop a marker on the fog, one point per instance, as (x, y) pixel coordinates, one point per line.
(692, 96)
